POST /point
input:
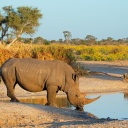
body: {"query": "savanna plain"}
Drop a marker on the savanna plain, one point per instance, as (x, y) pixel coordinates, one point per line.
(90, 59)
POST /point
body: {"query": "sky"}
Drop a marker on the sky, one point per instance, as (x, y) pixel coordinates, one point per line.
(100, 18)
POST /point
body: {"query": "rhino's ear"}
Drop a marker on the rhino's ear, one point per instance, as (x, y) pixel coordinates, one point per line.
(74, 76)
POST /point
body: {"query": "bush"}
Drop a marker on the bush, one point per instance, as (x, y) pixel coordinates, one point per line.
(67, 53)
(43, 52)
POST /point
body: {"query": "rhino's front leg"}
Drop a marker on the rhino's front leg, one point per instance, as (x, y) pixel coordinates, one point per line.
(51, 95)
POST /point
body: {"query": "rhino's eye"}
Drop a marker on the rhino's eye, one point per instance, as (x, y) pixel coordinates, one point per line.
(77, 95)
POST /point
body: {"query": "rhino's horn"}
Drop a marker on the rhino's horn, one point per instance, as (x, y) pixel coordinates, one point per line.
(83, 94)
(88, 101)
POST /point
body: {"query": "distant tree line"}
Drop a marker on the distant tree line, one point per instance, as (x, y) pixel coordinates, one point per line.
(37, 40)
(25, 20)
(92, 40)
(89, 40)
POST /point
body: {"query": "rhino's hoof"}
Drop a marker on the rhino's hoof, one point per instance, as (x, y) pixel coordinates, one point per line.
(46, 104)
(14, 100)
(53, 105)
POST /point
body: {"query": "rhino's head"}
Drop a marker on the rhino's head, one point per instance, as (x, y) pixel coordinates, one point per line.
(75, 97)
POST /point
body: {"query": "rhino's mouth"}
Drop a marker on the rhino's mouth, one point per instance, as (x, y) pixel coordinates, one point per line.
(80, 108)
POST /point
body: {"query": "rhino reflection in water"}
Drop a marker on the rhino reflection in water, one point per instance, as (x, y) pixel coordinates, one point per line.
(126, 95)
(37, 75)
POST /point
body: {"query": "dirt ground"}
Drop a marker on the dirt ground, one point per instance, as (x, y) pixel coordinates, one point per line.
(39, 116)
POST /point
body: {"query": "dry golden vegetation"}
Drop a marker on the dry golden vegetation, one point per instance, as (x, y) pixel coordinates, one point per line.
(67, 53)
(43, 52)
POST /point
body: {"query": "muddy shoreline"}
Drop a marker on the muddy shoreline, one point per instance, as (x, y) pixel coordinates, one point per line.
(32, 115)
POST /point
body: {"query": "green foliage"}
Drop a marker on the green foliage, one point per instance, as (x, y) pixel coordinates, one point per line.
(105, 53)
(19, 21)
(46, 42)
(38, 40)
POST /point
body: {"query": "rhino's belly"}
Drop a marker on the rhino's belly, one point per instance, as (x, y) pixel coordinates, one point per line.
(30, 81)
(32, 87)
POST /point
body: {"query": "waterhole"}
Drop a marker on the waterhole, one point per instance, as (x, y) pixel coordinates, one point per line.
(112, 105)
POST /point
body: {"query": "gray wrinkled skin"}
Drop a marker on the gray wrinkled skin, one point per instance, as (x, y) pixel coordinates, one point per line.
(37, 75)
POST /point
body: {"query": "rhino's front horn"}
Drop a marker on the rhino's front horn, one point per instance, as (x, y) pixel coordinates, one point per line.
(84, 101)
(88, 101)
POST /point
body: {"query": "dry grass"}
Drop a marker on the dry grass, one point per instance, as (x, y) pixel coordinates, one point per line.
(67, 53)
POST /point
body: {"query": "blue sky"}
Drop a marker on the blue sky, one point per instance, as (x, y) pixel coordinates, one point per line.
(100, 18)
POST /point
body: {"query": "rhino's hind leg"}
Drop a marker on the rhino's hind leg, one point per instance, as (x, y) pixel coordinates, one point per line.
(11, 94)
(51, 95)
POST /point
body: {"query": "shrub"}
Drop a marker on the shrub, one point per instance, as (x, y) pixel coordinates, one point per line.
(37, 51)
(67, 53)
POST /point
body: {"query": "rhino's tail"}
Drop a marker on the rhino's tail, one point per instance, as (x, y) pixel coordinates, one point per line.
(0, 71)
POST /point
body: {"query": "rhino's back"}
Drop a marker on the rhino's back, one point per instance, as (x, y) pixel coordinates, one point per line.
(38, 74)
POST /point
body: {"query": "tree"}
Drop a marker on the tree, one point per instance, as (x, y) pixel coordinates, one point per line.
(109, 39)
(3, 27)
(39, 40)
(90, 38)
(14, 23)
(67, 36)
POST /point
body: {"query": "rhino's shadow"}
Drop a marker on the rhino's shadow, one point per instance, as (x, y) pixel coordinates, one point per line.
(63, 116)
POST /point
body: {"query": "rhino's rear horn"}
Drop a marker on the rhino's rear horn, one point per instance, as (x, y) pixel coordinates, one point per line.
(83, 94)
(74, 76)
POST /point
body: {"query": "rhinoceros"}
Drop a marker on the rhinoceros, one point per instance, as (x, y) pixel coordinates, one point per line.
(37, 75)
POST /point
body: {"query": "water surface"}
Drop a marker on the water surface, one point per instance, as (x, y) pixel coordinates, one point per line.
(114, 105)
